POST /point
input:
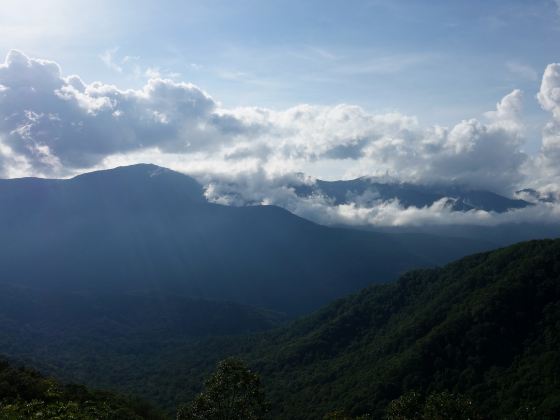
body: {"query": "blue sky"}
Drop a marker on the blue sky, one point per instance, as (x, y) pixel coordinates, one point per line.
(439, 60)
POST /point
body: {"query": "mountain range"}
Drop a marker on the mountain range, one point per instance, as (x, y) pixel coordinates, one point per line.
(129, 279)
(369, 191)
(146, 229)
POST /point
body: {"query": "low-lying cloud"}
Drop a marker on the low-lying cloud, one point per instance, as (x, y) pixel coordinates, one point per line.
(53, 124)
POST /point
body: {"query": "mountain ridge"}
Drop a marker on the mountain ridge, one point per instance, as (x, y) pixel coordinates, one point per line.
(146, 232)
(368, 191)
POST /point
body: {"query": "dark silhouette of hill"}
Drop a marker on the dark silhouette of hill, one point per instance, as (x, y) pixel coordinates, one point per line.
(146, 229)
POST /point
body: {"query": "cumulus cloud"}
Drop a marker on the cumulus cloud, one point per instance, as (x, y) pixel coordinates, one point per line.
(472, 152)
(56, 124)
(61, 123)
(548, 162)
(549, 93)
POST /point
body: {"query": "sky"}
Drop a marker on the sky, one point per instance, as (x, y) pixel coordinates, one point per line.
(439, 60)
(458, 91)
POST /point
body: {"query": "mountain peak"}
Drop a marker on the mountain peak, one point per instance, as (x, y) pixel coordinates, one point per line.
(143, 179)
(137, 169)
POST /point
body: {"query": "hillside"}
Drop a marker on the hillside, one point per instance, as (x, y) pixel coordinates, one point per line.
(74, 315)
(25, 393)
(146, 229)
(115, 341)
(487, 326)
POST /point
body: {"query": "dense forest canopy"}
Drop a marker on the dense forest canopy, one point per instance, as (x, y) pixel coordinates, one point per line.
(484, 329)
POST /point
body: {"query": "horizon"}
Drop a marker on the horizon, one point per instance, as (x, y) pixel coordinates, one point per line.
(445, 93)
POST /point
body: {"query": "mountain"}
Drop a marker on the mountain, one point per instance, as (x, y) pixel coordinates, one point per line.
(58, 313)
(536, 196)
(369, 191)
(146, 229)
(112, 341)
(486, 327)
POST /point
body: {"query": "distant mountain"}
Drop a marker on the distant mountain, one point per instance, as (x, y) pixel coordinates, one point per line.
(369, 191)
(146, 229)
(57, 313)
(499, 235)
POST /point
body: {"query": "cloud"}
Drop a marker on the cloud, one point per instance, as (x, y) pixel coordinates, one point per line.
(471, 152)
(549, 93)
(54, 124)
(258, 187)
(548, 162)
(59, 123)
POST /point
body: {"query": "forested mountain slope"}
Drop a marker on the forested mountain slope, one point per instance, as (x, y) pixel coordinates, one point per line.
(487, 326)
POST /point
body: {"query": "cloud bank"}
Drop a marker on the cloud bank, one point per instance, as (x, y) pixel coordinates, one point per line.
(57, 125)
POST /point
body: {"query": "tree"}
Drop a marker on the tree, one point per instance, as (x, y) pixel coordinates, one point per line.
(436, 406)
(232, 392)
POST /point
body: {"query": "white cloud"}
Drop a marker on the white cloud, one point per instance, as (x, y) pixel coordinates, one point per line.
(59, 123)
(471, 152)
(549, 93)
(548, 162)
(260, 188)
(54, 124)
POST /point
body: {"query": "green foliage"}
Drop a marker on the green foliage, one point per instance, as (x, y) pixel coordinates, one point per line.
(341, 415)
(436, 406)
(407, 407)
(486, 327)
(233, 392)
(25, 394)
